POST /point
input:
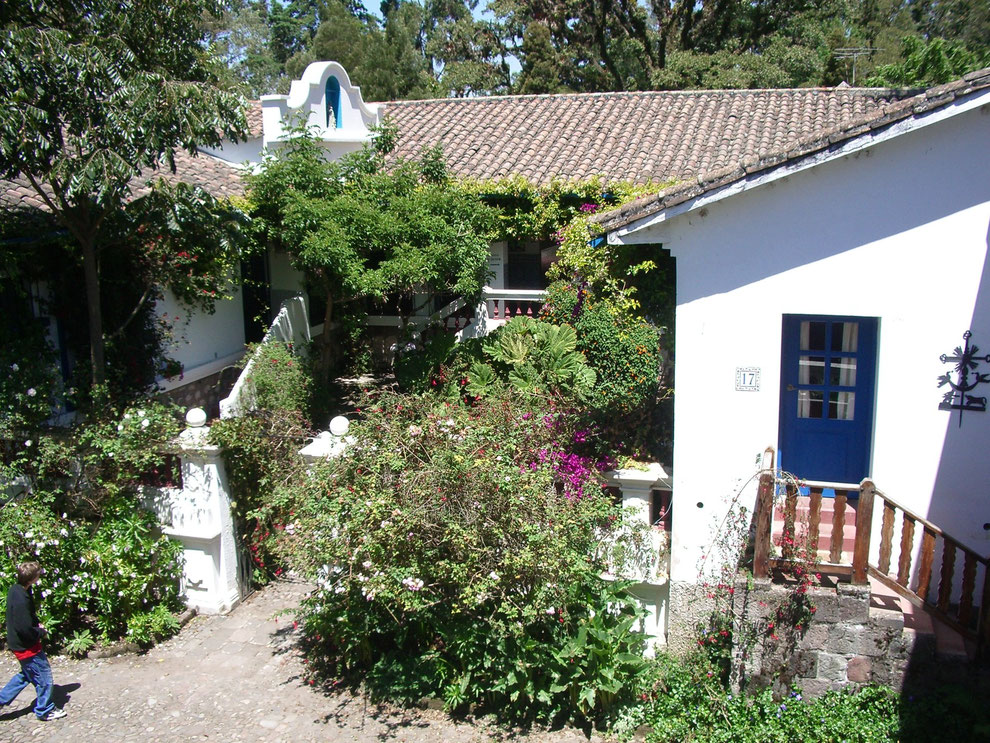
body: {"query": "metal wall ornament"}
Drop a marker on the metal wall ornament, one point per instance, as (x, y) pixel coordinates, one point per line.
(966, 361)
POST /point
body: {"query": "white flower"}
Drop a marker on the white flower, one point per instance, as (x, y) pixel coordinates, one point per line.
(28, 442)
(32, 392)
(127, 416)
(551, 610)
(366, 564)
(140, 414)
(145, 423)
(414, 430)
(493, 575)
(413, 584)
(15, 367)
(28, 535)
(120, 426)
(64, 532)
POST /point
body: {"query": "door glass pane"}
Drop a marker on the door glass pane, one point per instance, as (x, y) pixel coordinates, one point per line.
(811, 370)
(810, 403)
(845, 336)
(842, 372)
(812, 336)
(841, 405)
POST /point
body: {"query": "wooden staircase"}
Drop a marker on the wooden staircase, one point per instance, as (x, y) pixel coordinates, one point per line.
(944, 598)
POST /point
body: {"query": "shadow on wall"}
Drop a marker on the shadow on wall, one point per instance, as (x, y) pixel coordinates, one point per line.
(853, 215)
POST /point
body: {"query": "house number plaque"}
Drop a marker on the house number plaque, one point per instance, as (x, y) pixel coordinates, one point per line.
(747, 379)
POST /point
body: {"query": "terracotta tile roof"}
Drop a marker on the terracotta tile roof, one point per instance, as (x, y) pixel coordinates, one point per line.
(254, 119)
(216, 176)
(642, 137)
(811, 143)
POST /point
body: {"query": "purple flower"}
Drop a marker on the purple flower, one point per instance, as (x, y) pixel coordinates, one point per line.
(589, 208)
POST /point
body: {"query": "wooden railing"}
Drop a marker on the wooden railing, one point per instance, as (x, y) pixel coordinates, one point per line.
(965, 615)
(961, 614)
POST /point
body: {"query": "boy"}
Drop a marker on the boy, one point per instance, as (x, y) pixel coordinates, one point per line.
(24, 634)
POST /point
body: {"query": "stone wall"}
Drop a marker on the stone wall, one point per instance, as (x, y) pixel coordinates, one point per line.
(204, 393)
(847, 642)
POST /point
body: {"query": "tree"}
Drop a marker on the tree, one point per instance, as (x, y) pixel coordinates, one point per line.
(241, 38)
(100, 93)
(465, 54)
(933, 63)
(540, 69)
(359, 231)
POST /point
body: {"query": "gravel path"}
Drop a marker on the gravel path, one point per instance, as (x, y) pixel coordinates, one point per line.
(226, 678)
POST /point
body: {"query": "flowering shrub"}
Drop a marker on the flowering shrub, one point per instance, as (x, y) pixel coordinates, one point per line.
(28, 385)
(109, 571)
(280, 377)
(449, 564)
(260, 449)
(623, 350)
(105, 578)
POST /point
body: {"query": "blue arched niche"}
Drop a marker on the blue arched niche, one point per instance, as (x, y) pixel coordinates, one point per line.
(333, 101)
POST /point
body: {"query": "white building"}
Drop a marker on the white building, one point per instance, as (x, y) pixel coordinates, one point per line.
(824, 292)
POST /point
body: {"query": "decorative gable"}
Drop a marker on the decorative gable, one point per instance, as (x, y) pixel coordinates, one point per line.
(324, 100)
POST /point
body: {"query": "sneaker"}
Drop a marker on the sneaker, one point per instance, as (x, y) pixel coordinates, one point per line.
(55, 714)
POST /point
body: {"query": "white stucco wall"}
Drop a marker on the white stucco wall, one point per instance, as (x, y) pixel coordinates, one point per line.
(204, 343)
(307, 103)
(898, 231)
(245, 152)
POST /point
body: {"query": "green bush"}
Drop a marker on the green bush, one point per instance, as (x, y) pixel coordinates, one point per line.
(449, 564)
(684, 700)
(280, 377)
(622, 349)
(101, 577)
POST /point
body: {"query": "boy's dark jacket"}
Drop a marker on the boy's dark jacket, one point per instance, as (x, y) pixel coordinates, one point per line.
(23, 632)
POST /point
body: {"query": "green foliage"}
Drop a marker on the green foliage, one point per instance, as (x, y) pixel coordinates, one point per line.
(360, 232)
(684, 700)
(93, 105)
(622, 349)
(449, 565)
(536, 358)
(261, 453)
(527, 211)
(929, 63)
(279, 377)
(147, 628)
(29, 380)
(107, 453)
(100, 577)
(80, 643)
(261, 450)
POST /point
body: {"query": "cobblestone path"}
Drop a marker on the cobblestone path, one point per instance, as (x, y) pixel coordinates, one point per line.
(222, 678)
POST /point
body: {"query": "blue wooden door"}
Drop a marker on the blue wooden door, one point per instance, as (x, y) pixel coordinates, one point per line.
(828, 386)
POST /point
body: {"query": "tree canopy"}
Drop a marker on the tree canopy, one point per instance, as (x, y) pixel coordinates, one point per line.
(360, 232)
(440, 48)
(91, 109)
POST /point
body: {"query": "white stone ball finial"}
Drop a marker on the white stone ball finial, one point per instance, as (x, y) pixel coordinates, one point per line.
(339, 425)
(195, 417)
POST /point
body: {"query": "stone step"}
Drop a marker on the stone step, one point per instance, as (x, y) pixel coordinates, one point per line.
(948, 645)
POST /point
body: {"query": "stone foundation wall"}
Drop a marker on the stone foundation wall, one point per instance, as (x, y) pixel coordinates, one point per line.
(846, 643)
(204, 393)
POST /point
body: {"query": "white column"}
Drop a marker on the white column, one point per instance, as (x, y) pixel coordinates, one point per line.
(198, 515)
(653, 588)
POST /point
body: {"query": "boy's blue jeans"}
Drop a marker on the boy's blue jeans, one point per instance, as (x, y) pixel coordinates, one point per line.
(35, 670)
